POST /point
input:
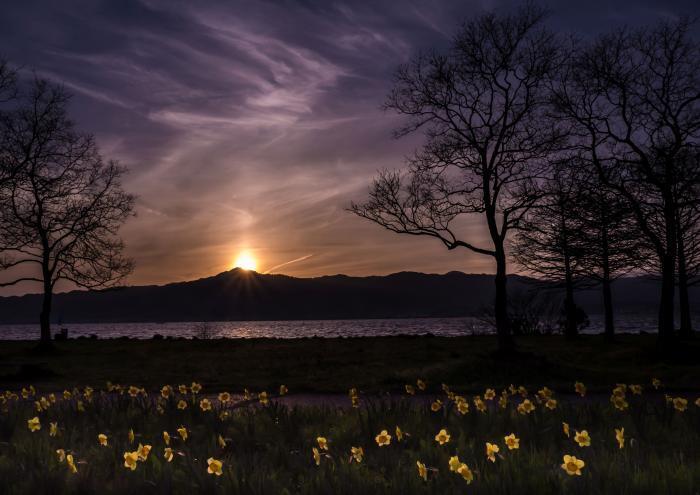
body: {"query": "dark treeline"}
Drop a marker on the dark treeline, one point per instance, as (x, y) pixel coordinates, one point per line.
(580, 156)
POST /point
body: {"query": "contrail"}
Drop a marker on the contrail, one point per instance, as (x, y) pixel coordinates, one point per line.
(288, 263)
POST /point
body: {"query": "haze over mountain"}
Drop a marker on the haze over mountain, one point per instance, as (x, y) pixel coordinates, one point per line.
(246, 295)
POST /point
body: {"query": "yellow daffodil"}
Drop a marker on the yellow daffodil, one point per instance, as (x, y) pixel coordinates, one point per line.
(526, 407)
(490, 394)
(181, 404)
(619, 402)
(67, 395)
(224, 397)
(636, 389)
(422, 470)
(454, 463)
(222, 443)
(572, 465)
(503, 401)
(466, 473)
(565, 427)
(166, 391)
(680, 404)
(580, 388)
(182, 431)
(205, 405)
(620, 437)
(131, 460)
(142, 452)
(196, 388)
(697, 402)
(284, 390)
(410, 390)
(102, 439)
(262, 396)
(34, 424)
(582, 438)
(436, 406)
(491, 451)
(656, 383)
(317, 456)
(132, 437)
(420, 384)
(442, 437)
(166, 438)
(134, 391)
(322, 443)
(357, 454)
(182, 389)
(71, 464)
(551, 404)
(53, 429)
(522, 391)
(61, 455)
(479, 404)
(168, 454)
(462, 407)
(512, 442)
(544, 393)
(214, 466)
(399, 434)
(383, 439)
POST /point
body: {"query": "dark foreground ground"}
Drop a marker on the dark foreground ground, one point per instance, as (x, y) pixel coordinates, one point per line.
(335, 365)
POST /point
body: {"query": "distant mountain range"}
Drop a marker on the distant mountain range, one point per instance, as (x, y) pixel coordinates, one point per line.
(243, 295)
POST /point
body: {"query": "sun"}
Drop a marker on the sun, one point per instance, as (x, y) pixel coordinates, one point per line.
(245, 261)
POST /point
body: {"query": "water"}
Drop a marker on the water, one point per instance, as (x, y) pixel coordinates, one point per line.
(448, 327)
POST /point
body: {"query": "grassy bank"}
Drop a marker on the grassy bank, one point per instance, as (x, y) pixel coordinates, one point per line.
(335, 365)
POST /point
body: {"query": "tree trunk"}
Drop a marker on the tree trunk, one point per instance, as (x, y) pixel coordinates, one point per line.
(45, 316)
(505, 340)
(570, 330)
(686, 328)
(607, 288)
(668, 274)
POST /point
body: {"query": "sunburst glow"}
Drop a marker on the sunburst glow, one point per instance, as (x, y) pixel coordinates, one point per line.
(246, 261)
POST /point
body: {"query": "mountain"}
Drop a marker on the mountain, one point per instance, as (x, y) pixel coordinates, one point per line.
(243, 295)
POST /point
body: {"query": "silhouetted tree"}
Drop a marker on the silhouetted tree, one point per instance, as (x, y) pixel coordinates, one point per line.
(8, 77)
(62, 208)
(633, 99)
(483, 108)
(549, 241)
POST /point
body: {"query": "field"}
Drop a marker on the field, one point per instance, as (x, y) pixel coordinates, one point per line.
(72, 429)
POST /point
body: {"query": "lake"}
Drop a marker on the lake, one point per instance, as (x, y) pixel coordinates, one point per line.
(448, 327)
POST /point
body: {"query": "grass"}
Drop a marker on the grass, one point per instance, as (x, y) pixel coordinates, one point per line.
(335, 365)
(269, 447)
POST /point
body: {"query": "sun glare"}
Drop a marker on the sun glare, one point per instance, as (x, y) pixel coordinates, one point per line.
(245, 261)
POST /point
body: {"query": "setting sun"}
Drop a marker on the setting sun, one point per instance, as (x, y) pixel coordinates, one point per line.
(245, 261)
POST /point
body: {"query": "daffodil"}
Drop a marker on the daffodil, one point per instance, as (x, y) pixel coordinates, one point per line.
(619, 402)
(466, 473)
(357, 454)
(284, 390)
(182, 431)
(224, 397)
(512, 442)
(462, 407)
(420, 384)
(80, 406)
(322, 443)
(572, 465)
(131, 460)
(61, 455)
(551, 404)
(479, 404)
(181, 404)
(582, 438)
(422, 470)
(131, 436)
(565, 427)
(544, 393)
(636, 389)
(490, 394)
(134, 391)
(182, 389)
(656, 383)
(442, 437)
(491, 451)
(263, 398)
(620, 437)
(222, 443)
(454, 463)
(71, 464)
(196, 388)
(166, 438)
(526, 407)
(697, 402)
(410, 390)
(168, 454)
(383, 439)
(317, 456)
(214, 466)
(53, 429)
(580, 388)
(34, 424)
(142, 452)
(680, 404)
(102, 439)
(205, 405)
(436, 406)
(166, 391)
(399, 434)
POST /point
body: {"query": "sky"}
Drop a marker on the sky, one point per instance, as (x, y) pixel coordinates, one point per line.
(251, 126)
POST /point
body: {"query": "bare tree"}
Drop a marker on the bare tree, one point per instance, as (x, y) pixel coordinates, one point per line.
(61, 211)
(633, 97)
(550, 240)
(483, 109)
